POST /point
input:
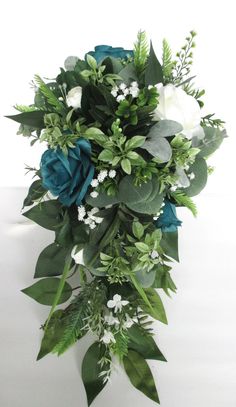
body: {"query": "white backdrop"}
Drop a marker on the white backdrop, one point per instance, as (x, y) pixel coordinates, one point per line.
(199, 342)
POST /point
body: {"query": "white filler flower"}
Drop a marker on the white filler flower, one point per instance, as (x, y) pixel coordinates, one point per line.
(108, 337)
(176, 104)
(77, 256)
(73, 98)
(117, 303)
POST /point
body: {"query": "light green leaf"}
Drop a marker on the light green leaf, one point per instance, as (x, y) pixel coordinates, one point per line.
(137, 229)
(157, 311)
(145, 278)
(106, 156)
(134, 142)
(140, 375)
(142, 247)
(211, 142)
(126, 165)
(44, 291)
(91, 62)
(159, 148)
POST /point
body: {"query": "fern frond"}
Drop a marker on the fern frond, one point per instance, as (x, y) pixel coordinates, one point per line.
(121, 345)
(141, 52)
(184, 200)
(167, 63)
(48, 93)
(23, 108)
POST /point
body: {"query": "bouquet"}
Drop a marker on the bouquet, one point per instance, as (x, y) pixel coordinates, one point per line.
(125, 144)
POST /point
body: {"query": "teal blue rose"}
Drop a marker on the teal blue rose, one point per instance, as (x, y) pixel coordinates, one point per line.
(168, 220)
(68, 177)
(103, 51)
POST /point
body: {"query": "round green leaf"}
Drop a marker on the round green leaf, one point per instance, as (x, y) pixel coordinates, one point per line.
(199, 169)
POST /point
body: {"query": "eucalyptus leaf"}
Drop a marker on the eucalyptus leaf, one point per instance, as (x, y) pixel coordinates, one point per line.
(145, 278)
(165, 128)
(159, 148)
(128, 73)
(102, 200)
(44, 291)
(211, 142)
(70, 63)
(199, 169)
(140, 374)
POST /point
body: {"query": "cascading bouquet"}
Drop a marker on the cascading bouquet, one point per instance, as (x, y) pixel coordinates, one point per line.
(125, 144)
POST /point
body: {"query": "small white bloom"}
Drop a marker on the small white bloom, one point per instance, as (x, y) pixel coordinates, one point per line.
(107, 337)
(154, 254)
(81, 212)
(128, 322)
(112, 173)
(117, 303)
(120, 98)
(92, 225)
(191, 176)
(134, 84)
(155, 217)
(94, 194)
(114, 93)
(150, 87)
(176, 104)
(126, 91)
(61, 99)
(123, 86)
(73, 98)
(77, 256)
(94, 183)
(111, 320)
(173, 188)
(102, 175)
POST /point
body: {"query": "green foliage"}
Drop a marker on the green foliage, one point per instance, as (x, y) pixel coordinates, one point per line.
(143, 343)
(199, 169)
(141, 52)
(153, 71)
(91, 371)
(34, 119)
(51, 261)
(209, 120)
(169, 244)
(211, 142)
(49, 95)
(140, 375)
(52, 335)
(35, 193)
(167, 62)
(184, 60)
(44, 291)
(157, 311)
(184, 200)
(47, 214)
(121, 345)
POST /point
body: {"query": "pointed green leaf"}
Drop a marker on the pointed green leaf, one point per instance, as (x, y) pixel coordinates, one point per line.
(44, 291)
(46, 214)
(51, 261)
(140, 375)
(153, 72)
(157, 311)
(126, 165)
(143, 343)
(33, 119)
(91, 369)
(52, 335)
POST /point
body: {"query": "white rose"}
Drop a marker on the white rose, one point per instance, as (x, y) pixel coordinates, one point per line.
(176, 104)
(78, 257)
(73, 98)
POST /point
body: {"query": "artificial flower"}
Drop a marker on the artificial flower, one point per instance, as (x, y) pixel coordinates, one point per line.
(68, 177)
(74, 96)
(103, 51)
(175, 104)
(117, 303)
(168, 220)
(107, 337)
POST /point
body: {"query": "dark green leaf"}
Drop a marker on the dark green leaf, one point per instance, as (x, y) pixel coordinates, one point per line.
(52, 334)
(91, 369)
(33, 119)
(169, 244)
(140, 375)
(45, 290)
(153, 72)
(36, 191)
(46, 214)
(144, 344)
(102, 200)
(157, 311)
(51, 261)
(128, 73)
